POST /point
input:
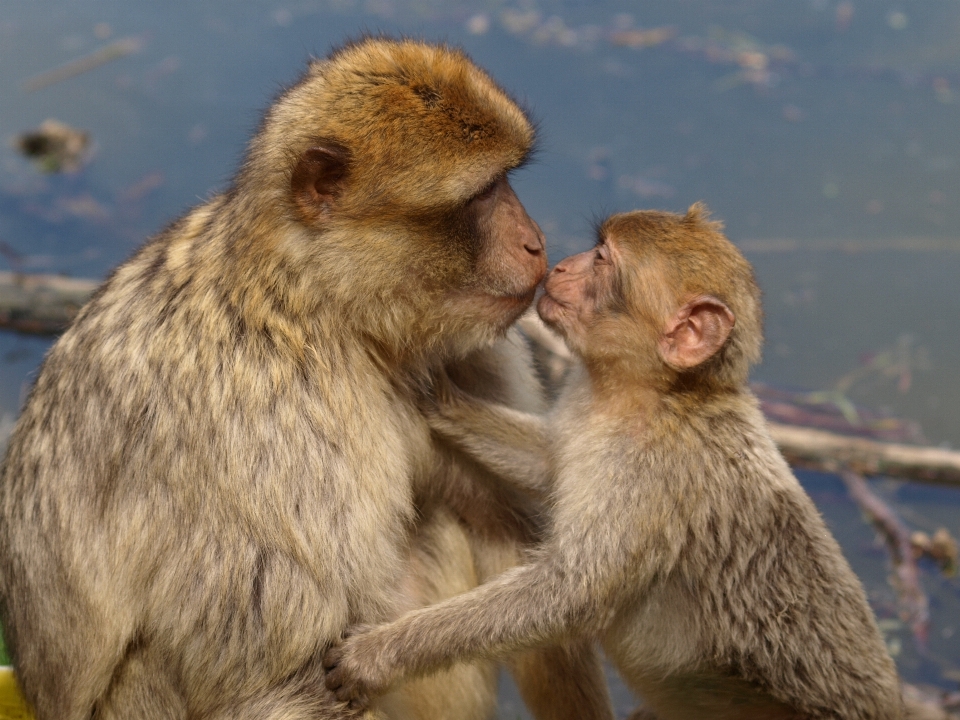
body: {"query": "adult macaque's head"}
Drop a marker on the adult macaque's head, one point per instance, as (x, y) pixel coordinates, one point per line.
(386, 166)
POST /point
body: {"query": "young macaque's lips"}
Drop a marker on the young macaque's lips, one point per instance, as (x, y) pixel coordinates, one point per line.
(548, 307)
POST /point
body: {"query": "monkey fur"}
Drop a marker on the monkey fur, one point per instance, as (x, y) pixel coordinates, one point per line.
(680, 538)
(222, 464)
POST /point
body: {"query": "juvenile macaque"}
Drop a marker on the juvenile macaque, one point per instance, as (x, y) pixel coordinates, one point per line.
(680, 538)
(222, 464)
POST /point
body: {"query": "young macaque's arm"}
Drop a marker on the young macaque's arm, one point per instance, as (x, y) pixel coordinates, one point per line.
(567, 592)
(526, 606)
(508, 442)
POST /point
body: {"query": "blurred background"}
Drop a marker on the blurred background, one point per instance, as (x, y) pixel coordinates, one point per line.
(824, 134)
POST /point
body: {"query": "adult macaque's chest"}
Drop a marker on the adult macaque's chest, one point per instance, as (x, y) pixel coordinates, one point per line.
(368, 445)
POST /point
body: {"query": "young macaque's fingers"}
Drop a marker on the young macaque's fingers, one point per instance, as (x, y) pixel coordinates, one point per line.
(335, 685)
(356, 669)
(338, 682)
(337, 679)
(330, 661)
(334, 682)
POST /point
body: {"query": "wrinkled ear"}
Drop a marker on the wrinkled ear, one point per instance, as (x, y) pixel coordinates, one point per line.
(318, 178)
(696, 332)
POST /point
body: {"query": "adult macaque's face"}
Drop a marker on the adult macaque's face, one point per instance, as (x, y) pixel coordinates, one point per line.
(513, 258)
(502, 259)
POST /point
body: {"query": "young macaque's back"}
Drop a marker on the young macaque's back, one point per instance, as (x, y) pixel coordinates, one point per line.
(680, 538)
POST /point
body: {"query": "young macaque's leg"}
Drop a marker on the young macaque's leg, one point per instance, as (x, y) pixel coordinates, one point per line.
(537, 672)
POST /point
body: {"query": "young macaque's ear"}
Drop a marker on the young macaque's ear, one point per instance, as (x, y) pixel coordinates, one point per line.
(697, 331)
(318, 178)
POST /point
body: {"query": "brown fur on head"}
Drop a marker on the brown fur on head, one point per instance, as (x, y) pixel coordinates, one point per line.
(425, 126)
(373, 161)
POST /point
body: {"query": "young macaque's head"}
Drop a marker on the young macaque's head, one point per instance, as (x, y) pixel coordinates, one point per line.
(665, 298)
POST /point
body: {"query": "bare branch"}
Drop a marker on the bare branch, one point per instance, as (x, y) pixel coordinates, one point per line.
(41, 304)
(914, 606)
(829, 452)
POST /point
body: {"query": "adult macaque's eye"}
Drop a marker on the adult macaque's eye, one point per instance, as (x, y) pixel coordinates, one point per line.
(488, 191)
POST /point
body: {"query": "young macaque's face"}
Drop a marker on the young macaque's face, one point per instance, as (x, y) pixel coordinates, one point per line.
(615, 301)
(578, 290)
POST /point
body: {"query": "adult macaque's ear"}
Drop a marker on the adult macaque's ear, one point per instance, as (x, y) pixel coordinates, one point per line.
(317, 179)
(697, 331)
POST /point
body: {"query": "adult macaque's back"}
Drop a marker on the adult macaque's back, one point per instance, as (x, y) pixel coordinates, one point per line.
(221, 464)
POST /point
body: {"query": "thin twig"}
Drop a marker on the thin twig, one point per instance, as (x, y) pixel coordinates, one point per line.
(914, 606)
(117, 49)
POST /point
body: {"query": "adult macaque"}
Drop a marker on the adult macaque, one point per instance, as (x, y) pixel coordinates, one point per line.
(680, 538)
(222, 463)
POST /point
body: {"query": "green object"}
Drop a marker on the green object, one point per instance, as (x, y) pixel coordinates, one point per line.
(4, 655)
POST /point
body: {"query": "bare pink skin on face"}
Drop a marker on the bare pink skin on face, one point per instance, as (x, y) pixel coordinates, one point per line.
(573, 290)
(518, 264)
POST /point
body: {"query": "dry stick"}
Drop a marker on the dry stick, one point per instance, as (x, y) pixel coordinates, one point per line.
(117, 49)
(829, 452)
(41, 304)
(914, 607)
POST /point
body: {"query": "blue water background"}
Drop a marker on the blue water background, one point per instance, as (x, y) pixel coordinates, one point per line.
(823, 133)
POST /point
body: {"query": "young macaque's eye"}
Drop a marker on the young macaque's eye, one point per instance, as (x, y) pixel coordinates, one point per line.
(600, 255)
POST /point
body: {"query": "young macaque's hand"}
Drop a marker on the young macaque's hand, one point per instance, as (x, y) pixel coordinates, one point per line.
(441, 397)
(357, 669)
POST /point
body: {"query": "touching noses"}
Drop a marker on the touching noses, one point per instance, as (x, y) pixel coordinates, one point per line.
(571, 269)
